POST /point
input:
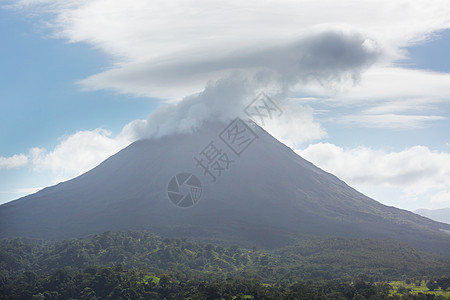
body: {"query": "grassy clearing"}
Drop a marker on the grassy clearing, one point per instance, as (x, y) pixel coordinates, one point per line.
(401, 287)
(151, 279)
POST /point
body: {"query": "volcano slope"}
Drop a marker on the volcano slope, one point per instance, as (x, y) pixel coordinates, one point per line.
(264, 195)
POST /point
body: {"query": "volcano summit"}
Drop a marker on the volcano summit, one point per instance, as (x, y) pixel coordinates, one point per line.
(260, 193)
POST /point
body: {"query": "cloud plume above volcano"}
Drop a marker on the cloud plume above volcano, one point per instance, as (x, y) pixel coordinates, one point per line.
(325, 58)
(321, 55)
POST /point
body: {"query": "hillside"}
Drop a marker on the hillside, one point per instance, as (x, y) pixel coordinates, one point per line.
(134, 265)
(324, 258)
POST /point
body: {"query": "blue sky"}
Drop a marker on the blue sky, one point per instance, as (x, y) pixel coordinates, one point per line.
(38, 80)
(73, 75)
(41, 102)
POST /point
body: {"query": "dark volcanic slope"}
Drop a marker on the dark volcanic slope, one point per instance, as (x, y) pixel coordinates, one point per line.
(267, 197)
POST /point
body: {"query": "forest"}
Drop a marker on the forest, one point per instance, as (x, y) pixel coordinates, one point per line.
(141, 265)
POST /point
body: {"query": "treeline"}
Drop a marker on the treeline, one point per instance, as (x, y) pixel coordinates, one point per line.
(135, 249)
(323, 258)
(377, 259)
(117, 283)
(140, 265)
(440, 283)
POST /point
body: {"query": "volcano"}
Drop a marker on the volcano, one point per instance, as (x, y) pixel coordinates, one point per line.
(230, 182)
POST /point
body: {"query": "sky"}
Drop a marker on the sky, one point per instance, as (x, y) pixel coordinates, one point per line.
(364, 86)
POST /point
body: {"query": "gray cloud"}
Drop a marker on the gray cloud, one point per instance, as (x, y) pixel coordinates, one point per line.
(219, 101)
(233, 80)
(321, 56)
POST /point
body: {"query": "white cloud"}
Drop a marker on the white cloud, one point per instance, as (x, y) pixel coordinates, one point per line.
(325, 57)
(77, 153)
(170, 49)
(442, 197)
(295, 126)
(147, 30)
(389, 120)
(321, 56)
(399, 84)
(224, 100)
(415, 165)
(402, 89)
(388, 97)
(417, 171)
(15, 161)
(74, 155)
(401, 105)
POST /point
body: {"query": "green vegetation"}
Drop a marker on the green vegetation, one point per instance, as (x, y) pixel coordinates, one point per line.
(115, 283)
(417, 287)
(139, 265)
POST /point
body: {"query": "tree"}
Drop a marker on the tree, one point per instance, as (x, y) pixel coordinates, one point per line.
(432, 285)
(164, 280)
(88, 294)
(444, 283)
(264, 260)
